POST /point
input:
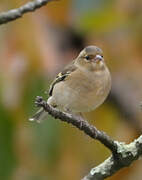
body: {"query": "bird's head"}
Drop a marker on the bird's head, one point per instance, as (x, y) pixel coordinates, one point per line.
(91, 58)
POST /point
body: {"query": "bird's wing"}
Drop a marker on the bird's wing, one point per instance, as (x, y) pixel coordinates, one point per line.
(62, 75)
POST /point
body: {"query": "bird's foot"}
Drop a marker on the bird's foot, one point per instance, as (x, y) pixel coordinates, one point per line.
(39, 102)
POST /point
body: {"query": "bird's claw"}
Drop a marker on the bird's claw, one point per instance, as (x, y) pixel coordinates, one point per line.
(38, 101)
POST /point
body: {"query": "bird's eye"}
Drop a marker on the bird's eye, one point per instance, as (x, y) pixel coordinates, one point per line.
(88, 57)
(102, 56)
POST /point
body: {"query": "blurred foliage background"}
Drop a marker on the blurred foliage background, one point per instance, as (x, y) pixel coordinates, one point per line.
(33, 50)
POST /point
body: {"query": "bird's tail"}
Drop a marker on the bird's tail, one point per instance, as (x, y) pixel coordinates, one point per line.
(39, 115)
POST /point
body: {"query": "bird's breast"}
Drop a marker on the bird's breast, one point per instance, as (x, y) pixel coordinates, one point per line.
(82, 92)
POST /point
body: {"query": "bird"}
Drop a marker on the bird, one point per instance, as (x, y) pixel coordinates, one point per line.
(82, 86)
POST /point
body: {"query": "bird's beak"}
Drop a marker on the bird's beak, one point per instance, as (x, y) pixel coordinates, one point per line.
(98, 58)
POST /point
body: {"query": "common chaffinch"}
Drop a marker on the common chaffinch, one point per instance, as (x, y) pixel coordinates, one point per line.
(82, 86)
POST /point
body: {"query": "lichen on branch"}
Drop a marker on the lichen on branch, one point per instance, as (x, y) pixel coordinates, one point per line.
(122, 156)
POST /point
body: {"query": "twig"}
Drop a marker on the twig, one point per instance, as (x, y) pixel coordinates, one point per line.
(79, 123)
(14, 14)
(122, 154)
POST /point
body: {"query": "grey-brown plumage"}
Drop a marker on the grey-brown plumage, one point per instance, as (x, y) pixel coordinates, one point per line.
(82, 86)
(62, 75)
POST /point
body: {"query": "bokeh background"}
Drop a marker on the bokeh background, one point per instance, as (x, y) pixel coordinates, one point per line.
(33, 49)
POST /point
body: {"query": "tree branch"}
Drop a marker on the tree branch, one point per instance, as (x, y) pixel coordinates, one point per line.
(14, 14)
(122, 154)
(79, 123)
(127, 154)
